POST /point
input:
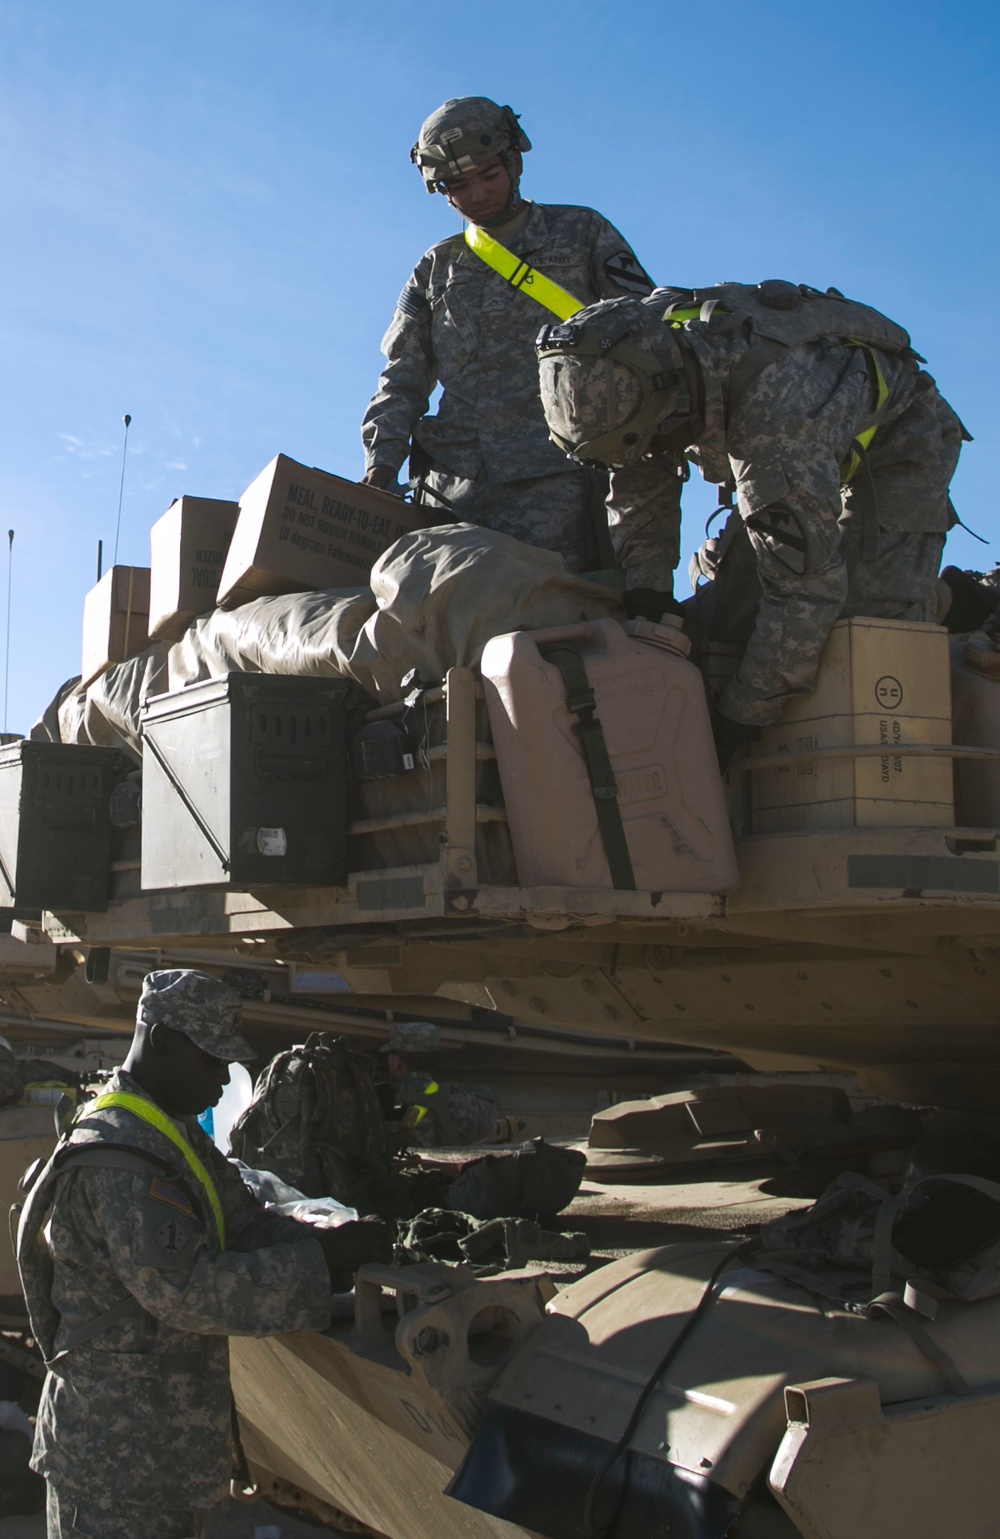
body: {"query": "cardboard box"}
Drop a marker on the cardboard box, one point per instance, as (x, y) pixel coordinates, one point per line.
(880, 681)
(188, 548)
(302, 529)
(115, 619)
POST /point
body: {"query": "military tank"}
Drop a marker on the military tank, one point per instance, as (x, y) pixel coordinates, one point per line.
(840, 914)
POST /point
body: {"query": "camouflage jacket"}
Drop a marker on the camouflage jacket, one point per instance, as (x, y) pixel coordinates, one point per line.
(782, 438)
(458, 324)
(445, 1113)
(141, 1412)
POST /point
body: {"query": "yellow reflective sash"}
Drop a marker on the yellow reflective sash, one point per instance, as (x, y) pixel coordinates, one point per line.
(147, 1112)
(853, 460)
(849, 466)
(519, 275)
(430, 1088)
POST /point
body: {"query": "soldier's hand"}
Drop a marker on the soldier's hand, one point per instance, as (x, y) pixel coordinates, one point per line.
(730, 736)
(380, 475)
(351, 1245)
(650, 604)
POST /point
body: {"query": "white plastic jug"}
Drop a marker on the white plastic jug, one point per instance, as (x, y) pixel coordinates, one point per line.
(236, 1097)
(651, 704)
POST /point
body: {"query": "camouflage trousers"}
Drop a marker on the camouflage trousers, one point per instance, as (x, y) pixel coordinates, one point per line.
(67, 1517)
(564, 512)
(782, 657)
(879, 558)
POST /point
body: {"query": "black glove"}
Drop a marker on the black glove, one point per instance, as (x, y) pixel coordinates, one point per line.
(730, 736)
(350, 1246)
(650, 604)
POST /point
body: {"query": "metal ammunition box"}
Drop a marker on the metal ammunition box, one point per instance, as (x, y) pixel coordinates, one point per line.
(55, 826)
(244, 784)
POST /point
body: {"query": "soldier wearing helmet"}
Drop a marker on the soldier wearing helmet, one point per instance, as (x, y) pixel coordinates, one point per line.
(484, 456)
(812, 410)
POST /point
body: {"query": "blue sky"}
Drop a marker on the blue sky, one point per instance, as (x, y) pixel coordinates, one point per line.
(208, 212)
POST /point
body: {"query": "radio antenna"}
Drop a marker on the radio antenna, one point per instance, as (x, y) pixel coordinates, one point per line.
(121, 488)
(6, 666)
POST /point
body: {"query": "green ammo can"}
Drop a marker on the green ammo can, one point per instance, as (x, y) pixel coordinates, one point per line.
(55, 826)
(244, 784)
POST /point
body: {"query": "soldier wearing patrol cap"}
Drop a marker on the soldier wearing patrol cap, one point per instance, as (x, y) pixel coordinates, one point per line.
(812, 410)
(141, 1251)
(434, 1113)
(467, 319)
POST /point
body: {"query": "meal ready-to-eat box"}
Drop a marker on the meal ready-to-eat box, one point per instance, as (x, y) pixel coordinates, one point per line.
(188, 548)
(115, 619)
(302, 529)
(883, 684)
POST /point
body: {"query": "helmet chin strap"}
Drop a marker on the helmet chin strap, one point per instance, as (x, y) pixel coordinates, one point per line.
(514, 202)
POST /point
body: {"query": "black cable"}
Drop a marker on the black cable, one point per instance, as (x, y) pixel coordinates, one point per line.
(587, 1530)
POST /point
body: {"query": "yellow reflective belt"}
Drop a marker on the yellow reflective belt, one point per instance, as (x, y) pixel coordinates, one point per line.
(519, 275)
(853, 460)
(140, 1107)
(677, 318)
(429, 1089)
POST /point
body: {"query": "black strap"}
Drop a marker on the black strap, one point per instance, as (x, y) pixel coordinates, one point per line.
(219, 852)
(751, 366)
(597, 536)
(603, 785)
(92, 1328)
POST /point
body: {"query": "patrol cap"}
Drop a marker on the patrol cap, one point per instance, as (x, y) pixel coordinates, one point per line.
(461, 135)
(205, 1010)
(413, 1037)
(609, 377)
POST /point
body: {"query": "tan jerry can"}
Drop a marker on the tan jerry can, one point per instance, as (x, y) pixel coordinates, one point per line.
(651, 705)
(880, 681)
(975, 684)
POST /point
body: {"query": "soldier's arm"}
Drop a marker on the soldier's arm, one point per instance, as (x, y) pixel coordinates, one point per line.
(644, 521)
(248, 1224)
(615, 268)
(409, 376)
(158, 1245)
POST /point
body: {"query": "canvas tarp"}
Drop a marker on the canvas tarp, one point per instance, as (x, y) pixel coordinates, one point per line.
(436, 597)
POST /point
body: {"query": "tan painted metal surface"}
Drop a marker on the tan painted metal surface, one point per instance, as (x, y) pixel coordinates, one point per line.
(318, 1415)
(849, 1468)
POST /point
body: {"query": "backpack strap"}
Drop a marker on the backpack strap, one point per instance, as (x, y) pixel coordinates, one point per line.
(895, 1308)
(603, 785)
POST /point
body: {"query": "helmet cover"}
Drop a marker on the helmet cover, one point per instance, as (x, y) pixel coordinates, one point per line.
(608, 378)
(461, 135)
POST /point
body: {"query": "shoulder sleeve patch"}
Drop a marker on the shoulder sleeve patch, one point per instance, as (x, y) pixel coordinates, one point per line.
(411, 301)
(624, 270)
(170, 1195)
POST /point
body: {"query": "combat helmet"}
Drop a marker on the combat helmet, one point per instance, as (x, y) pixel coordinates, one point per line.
(461, 135)
(610, 377)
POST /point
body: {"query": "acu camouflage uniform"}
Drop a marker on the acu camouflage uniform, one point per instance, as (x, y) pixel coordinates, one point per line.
(446, 1114)
(134, 1426)
(782, 442)
(460, 325)
(438, 1114)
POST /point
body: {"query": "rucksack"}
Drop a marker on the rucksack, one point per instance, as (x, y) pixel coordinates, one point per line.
(316, 1121)
(540, 1179)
